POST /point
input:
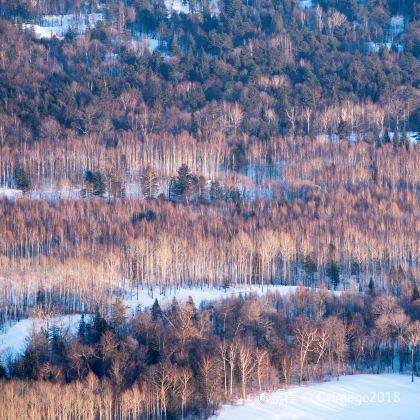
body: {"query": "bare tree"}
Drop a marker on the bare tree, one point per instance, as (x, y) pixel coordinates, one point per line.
(413, 340)
(246, 366)
(184, 387)
(306, 336)
(149, 182)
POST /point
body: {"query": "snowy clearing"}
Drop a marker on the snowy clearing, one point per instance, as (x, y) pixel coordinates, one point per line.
(146, 297)
(387, 396)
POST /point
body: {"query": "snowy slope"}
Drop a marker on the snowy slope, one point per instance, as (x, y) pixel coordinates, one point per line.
(361, 397)
(13, 340)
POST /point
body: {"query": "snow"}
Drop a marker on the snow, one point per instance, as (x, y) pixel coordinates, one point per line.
(305, 4)
(376, 46)
(214, 8)
(13, 340)
(146, 297)
(397, 24)
(177, 6)
(412, 136)
(59, 25)
(387, 396)
(142, 40)
(10, 193)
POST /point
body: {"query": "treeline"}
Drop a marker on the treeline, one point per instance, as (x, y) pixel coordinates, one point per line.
(183, 362)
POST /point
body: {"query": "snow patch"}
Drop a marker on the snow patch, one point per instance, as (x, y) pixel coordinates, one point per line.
(214, 8)
(177, 6)
(305, 4)
(397, 24)
(387, 396)
(376, 46)
(58, 25)
(146, 297)
(10, 193)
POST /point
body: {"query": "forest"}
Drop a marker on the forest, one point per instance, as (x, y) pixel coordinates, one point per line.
(183, 361)
(205, 145)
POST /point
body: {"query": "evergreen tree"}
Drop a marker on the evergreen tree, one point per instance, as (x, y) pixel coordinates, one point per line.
(99, 326)
(56, 341)
(343, 130)
(309, 266)
(395, 139)
(81, 332)
(3, 372)
(156, 312)
(416, 294)
(184, 185)
(371, 286)
(22, 180)
(386, 138)
(31, 367)
(97, 183)
(333, 272)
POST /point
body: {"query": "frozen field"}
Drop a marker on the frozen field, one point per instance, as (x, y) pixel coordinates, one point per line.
(360, 397)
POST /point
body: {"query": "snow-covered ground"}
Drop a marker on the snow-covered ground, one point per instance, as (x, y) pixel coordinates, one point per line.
(214, 8)
(363, 397)
(59, 25)
(142, 40)
(146, 297)
(376, 46)
(10, 193)
(48, 194)
(183, 6)
(397, 24)
(13, 339)
(177, 6)
(305, 4)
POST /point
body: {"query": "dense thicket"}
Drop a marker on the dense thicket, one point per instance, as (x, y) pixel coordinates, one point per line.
(182, 362)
